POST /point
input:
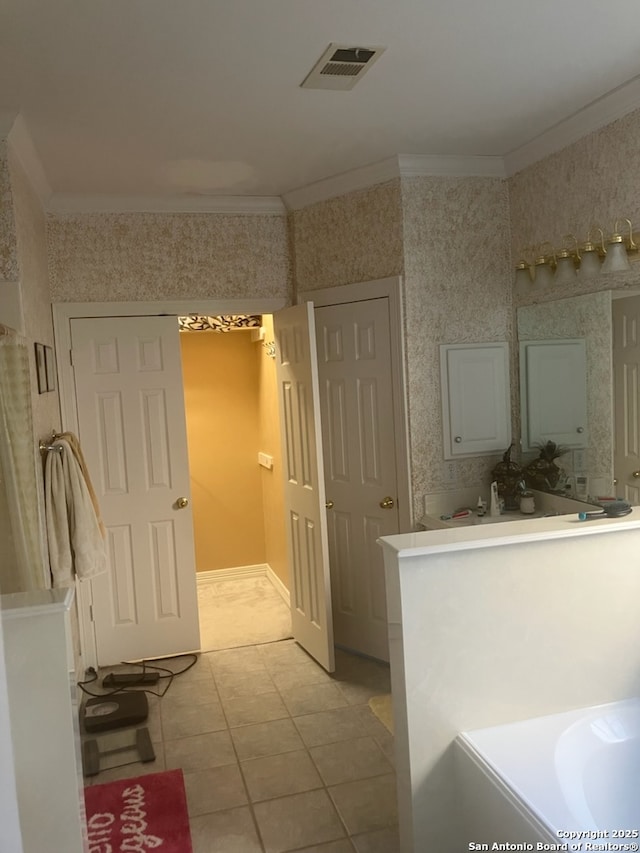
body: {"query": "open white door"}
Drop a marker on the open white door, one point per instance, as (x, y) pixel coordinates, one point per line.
(299, 399)
(131, 425)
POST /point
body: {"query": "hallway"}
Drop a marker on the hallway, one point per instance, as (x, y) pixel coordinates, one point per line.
(277, 755)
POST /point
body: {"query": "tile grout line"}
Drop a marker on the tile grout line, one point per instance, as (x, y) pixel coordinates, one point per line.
(239, 763)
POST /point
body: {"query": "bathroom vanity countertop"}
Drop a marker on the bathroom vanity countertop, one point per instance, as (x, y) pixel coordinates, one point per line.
(524, 529)
(432, 522)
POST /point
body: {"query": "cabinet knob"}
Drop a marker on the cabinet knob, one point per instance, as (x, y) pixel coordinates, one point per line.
(580, 429)
(458, 439)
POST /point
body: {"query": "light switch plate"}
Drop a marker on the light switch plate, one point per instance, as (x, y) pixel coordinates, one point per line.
(266, 460)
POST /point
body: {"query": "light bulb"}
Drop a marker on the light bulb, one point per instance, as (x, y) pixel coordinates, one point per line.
(523, 275)
(565, 269)
(543, 273)
(616, 259)
(590, 264)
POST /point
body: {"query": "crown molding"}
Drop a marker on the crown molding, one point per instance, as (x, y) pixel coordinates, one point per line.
(400, 166)
(233, 205)
(610, 107)
(346, 182)
(20, 142)
(451, 165)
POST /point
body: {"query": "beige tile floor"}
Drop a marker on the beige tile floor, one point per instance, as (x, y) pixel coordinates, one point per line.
(277, 755)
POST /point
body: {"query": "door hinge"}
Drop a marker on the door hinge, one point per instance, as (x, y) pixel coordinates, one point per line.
(91, 619)
(71, 357)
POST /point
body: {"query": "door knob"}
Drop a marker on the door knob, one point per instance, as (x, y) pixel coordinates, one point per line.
(181, 503)
(387, 503)
(329, 504)
(636, 474)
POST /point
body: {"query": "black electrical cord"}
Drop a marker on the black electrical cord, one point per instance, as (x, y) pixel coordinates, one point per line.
(132, 687)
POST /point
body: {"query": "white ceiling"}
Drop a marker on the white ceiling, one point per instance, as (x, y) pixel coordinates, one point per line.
(173, 98)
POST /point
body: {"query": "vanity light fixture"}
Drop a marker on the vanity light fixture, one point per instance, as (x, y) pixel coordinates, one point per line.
(617, 259)
(543, 265)
(565, 262)
(524, 267)
(591, 256)
(523, 273)
(582, 261)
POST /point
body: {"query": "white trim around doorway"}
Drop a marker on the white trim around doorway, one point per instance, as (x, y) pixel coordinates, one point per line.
(63, 313)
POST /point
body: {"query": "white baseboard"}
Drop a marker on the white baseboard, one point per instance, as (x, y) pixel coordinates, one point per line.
(279, 586)
(233, 573)
(238, 572)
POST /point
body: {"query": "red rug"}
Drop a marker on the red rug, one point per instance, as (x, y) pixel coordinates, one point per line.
(140, 814)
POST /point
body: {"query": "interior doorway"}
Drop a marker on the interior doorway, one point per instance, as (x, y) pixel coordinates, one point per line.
(388, 289)
(234, 445)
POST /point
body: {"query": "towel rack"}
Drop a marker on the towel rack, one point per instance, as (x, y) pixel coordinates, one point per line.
(45, 447)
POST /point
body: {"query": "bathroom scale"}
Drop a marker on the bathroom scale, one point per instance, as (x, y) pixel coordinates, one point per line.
(103, 713)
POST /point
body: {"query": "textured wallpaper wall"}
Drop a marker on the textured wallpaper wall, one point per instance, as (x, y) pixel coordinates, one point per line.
(355, 237)
(457, 290)
(450, 239)
(8, 247)
(146, 256)
(593, 181)
(31, 252)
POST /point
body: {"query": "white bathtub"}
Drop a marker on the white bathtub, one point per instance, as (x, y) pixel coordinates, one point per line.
(551, 778)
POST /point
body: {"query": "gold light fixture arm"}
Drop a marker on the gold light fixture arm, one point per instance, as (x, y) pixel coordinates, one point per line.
(631, 246)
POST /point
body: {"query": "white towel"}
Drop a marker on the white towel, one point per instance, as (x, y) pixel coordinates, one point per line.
(75, 540)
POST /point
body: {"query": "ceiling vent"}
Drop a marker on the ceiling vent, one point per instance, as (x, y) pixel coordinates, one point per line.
(341, 66)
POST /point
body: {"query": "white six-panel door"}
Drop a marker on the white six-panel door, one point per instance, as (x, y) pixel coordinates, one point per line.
(131, 424)
(310, 588)
(356, 401)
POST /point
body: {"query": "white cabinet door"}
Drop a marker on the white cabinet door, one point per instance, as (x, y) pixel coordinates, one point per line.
(553, 385)
(476, 406)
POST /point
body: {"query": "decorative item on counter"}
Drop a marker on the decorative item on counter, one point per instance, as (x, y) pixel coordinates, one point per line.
(494, 506)
(543, 473)
(481, 507)
(508, 474)
(527, 503)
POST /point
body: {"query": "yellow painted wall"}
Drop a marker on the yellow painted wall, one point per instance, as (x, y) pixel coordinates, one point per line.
(272, 483)
(221, 388)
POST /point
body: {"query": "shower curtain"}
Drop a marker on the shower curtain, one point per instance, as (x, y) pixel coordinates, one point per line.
(21, 555)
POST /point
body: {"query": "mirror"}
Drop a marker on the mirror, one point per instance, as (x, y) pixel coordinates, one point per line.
(588, 318)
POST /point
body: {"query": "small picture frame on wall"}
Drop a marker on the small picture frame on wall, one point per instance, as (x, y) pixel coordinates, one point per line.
(41, 368)
(50, 368)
